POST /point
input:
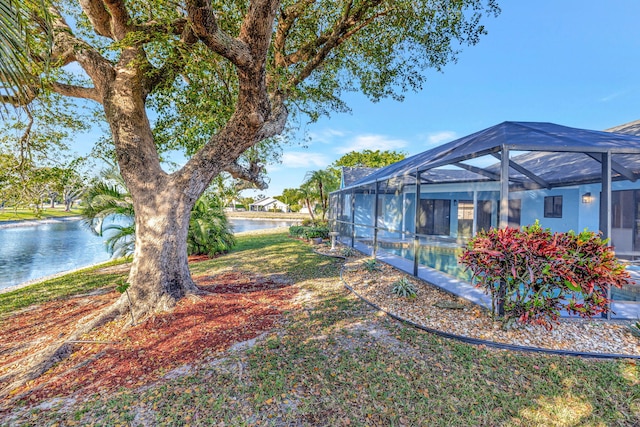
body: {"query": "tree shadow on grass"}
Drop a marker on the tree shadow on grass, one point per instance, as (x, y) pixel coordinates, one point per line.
(272, 254)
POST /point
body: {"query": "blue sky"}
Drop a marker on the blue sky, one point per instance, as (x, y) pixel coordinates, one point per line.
(571, 62)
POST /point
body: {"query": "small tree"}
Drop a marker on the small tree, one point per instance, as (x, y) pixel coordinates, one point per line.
(533, 274)
(317, 186)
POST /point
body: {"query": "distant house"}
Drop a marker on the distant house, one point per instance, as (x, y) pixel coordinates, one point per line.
(269, 204)
(304, 210)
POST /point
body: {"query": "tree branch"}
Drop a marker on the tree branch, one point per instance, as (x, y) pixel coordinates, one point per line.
(316, 51)
(205, 26)
(67, 48)
(172, 67)
(17, 100)
(276, 121)
(257, 27)
(98, 16)
(177, 27)
(287, 18)
(120, 19)
(254, 118)
(76, 91)
(253, 174)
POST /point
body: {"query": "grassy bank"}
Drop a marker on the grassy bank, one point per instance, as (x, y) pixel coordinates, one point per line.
(335, 361)
(79, 282)
(9, 214)
(267, 215)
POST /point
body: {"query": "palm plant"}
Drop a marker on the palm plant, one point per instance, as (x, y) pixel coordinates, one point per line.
(317, 186)
(17, 79)
(108, 208)
(209, 230)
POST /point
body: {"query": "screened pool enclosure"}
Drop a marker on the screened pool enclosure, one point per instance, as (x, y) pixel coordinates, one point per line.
(417, 214)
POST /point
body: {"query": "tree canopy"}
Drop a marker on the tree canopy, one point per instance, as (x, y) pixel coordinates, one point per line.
(369, 158)
(220, 80)
(316, 188)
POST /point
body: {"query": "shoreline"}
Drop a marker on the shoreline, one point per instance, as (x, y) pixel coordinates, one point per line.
(244, 215)
(51, 276)
(266, 216)
(31, 222)
(75, 270)
(265, 219)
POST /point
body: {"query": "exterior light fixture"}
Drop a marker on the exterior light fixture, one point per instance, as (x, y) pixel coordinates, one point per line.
(587, 198)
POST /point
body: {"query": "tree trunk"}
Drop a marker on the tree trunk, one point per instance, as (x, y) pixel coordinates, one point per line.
(160, 272)
(320, 186)
(308, 202)
(162, 203)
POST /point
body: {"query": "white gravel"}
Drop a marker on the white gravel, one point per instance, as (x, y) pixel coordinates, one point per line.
(580, 335)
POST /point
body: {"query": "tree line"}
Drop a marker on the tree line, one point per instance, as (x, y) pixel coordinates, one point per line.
(314, 192)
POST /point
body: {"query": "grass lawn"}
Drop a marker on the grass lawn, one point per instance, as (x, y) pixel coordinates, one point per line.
(335, 361)
(79, 282)
(9, 214)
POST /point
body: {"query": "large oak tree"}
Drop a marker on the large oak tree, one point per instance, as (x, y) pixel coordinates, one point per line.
(218, 78)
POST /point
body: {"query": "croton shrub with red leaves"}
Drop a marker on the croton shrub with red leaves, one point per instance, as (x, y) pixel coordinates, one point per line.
(533, 274)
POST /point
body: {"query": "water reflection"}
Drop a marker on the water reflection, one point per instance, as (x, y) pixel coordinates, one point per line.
(34, 251)
(29, 252)
(240, 225)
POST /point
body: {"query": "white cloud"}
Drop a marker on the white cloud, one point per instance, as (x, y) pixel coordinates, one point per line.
(325, 136)
(299, 159)
(441, 137)
(371, 142)
(612, 96)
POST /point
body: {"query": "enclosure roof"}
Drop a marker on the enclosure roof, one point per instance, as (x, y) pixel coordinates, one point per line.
(353, 174)
(580, 161)
(631, 128)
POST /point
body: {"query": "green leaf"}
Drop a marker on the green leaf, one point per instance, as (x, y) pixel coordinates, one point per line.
(574, 287)
(122, 288)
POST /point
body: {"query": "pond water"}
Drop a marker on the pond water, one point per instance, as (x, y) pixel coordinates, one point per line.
(240, 225)
(30, 252)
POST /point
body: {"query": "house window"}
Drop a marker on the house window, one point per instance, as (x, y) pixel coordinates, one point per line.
(434, 217)
(553, 207)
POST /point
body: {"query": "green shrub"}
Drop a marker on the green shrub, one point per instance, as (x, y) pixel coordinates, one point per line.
(533, 274)
(306, 232)
(209, 230)
(348, 251)
(296, 231)
(315, 232)
(371, 265)
(404, 288)
(308, 222)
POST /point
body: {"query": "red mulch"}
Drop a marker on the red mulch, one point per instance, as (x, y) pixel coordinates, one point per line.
(238, 307)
